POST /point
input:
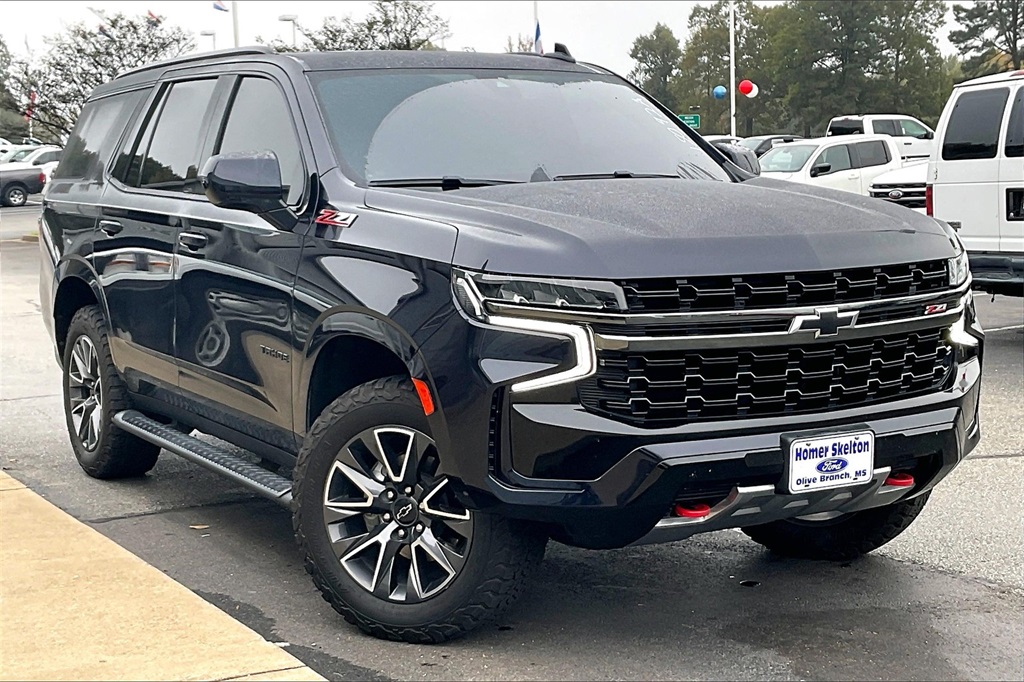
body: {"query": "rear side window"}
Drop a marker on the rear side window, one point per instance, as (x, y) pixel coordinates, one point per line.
(99, 126)
(1015, 127)
(845, 126)
(259, 121)
(838, 157)
(973, 128)
(172, 153)
(872, 153)
(885, 127)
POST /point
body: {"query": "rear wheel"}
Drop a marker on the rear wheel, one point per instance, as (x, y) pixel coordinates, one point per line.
(386, 539)
(841, 538)
(93, 394)
(14, 195)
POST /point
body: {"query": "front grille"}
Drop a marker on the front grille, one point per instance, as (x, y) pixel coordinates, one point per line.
(750, 292)
(670, 387)
(910, 195)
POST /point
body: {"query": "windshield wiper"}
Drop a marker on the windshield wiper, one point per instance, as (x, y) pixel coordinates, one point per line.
(446, 183)
(616, 174)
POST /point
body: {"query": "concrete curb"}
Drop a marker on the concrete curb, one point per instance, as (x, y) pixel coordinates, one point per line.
(33, 237)
(77, 606)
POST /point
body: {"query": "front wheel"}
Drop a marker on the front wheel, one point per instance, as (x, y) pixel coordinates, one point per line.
(842, 538)
(385, 538)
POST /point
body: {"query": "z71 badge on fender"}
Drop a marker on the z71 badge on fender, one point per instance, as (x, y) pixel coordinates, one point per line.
(329, 216)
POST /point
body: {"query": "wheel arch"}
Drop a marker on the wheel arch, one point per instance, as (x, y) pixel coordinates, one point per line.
(77, 289)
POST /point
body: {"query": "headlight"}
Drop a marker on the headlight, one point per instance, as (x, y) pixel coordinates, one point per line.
(545, 293)
(473, 290)
(959, 269)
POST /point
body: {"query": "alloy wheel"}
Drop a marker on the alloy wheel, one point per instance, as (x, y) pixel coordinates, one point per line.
(393, 521)
(16, 197)
(85, 391)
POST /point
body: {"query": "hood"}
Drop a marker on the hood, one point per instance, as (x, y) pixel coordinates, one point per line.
(626, 228)
(911, 173)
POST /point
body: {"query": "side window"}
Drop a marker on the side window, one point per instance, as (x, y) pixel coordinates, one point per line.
(838, 157)
(99, 126)
(1015, 127)
(913, 129)
(171, 156)
(259, 120)
(872, 154)
(885, 126)
(973, 128)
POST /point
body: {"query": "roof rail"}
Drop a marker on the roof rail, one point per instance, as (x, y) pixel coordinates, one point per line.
(202, 56)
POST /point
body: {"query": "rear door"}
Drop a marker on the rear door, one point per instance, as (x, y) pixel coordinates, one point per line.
(965, 177)
(236, 273)
(1011, 177)
(842, 175)
(153, 177)
(872, 158)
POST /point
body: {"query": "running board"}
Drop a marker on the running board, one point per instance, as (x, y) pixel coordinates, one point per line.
(239, 470)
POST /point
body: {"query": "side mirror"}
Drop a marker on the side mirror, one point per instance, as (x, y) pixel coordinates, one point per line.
(928, 136)
(820, 169)
(248, 181)
(740, 156)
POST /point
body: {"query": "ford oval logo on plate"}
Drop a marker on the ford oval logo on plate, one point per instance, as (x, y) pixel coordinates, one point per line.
(831, 466)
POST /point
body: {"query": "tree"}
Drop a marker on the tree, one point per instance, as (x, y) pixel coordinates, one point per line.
(992, 35)
(390, 25)
(657, 56)
(521, 44)
(81, 58)
(907, 62)
(12, 123)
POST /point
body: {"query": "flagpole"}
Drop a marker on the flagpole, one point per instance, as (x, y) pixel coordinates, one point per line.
(234, 20)
(732, 68)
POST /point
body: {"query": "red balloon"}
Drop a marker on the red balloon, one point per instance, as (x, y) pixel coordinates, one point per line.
(746, 87)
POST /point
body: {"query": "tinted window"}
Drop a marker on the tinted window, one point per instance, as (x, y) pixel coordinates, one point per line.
(91, 143)
(171, 162)
(47, 157)
(885, 126)
(513, 126)
(973, 128)
(845, 126)
(872, 153)
(1015, 127)
(913, 129)
(838, 157)
(260, 121)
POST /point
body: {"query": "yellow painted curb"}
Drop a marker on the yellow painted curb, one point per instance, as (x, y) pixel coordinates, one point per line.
(77, 606)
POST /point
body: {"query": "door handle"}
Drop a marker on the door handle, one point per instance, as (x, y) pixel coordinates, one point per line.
(193, 241)
(908, 143)
(111, 227)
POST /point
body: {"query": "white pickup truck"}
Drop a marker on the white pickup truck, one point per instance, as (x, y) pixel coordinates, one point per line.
(915, 139)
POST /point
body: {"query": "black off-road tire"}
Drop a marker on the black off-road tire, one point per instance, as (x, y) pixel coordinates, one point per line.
(15, 195)
(117, 454)
(839, 539)
(502, 555)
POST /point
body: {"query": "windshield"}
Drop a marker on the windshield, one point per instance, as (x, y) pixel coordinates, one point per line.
(505, 126)
(19, 155)
(786, 158)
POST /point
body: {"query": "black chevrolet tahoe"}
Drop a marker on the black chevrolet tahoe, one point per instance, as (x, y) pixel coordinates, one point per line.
(450, 306)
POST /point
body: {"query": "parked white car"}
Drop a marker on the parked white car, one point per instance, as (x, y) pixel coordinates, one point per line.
(916, 140)
(27, 157)
(836, 162)
(903, 186)
(976, 177)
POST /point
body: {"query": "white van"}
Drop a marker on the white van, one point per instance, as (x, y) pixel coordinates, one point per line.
(976, 177)
(916, 140)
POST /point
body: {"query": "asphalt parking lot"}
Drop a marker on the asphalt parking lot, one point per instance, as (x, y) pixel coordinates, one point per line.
(944, 601)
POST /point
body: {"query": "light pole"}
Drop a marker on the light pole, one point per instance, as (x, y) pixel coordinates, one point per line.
(293, 20)
(212, 35)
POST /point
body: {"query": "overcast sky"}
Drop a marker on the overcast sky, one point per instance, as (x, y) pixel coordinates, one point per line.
(599, 32)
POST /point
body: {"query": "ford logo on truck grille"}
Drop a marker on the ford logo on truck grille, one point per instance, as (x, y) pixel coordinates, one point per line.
(831, 466)
(896, 195)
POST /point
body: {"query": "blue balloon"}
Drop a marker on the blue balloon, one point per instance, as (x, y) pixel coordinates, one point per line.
(719, 92)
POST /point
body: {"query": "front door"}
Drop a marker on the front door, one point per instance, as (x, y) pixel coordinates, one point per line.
(915, 140)
(235, 277)
(842, 175)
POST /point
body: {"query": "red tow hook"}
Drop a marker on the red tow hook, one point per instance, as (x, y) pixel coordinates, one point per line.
(692, 511)
(900, 480)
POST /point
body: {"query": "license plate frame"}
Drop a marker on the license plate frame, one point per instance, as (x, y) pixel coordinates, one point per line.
(852, 451)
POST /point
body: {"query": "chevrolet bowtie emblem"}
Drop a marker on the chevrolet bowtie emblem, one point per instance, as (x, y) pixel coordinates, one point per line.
(824, 322)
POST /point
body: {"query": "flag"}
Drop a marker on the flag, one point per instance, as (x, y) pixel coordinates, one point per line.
(538, 47)
(31, 105)
(220, 6)
(152, 19)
